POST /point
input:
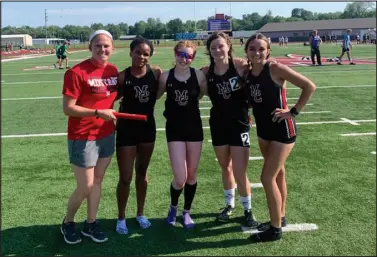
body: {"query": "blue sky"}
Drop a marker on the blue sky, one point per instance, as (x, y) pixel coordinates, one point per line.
(85, 13)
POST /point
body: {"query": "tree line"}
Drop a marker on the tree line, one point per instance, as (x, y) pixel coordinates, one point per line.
(155, 29)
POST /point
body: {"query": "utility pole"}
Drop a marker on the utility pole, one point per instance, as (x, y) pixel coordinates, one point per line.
(46, 26)
(194, 17)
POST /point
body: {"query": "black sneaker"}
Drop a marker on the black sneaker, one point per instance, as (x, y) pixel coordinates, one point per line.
(339, 63)
(266, 225)
(93, 231)
(352, 63)
(250, 220)
(225, 214)
(271, 234)
(69, 232)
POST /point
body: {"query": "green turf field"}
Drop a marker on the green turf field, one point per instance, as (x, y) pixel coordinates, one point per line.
(331, 178)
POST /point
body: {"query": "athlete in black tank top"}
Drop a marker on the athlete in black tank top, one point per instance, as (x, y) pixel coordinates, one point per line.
(226, 93)
(138, 86)
(182, 104)
(184, 131)
(229, 123)
(265, 96)
(139, 95)
(266, 83)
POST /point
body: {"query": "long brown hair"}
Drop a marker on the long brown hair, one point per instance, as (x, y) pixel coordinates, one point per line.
(257, 36)
(216, 35)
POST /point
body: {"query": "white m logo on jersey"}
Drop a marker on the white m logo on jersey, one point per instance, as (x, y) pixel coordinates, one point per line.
(256, 93)
(181, 97)
(224, 90)
(142, 93)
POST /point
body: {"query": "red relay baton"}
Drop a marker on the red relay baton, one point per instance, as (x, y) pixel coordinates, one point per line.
(130, 116)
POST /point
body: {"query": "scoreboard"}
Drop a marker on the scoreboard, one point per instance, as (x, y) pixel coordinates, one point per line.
(215, 25)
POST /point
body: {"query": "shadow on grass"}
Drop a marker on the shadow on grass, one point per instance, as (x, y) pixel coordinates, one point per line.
(159, 239)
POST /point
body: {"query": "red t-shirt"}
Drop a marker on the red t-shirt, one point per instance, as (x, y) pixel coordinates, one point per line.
(95, 88)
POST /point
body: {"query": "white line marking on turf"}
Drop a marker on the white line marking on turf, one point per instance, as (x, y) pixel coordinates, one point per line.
(256, 185)
(373, 153)
(205, 101)
(204, 108)
(32, 98)
(207, 116)
(35, 135)
(289, 228)
(338, 87)
(350, 121)
(359, 134)
(253, 158)
(205, 127)
(33, 82)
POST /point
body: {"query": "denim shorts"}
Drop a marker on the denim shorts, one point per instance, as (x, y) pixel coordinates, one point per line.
(85, 153)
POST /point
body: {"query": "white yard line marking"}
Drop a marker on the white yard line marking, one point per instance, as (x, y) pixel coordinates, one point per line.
(256, 185)
(35, 135)
(292, 98)
(205, 101)
(373, 153)
(316, 112)
(207, 116)
(359, 134)
(289, 228)
(331, 122)
(33, 82)
(252, 158)
(205, 127)
(337, 87)
(350, 121)
(204, 108)
(32, 98)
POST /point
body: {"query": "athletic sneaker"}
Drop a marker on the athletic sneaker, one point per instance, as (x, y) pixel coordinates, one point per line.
(69, 232)
(225, 214)
(187, 221)
(250, 219)
(54, 65)
(121, 227)
(352, 63)
(172, 215)
(339, 63)
(271, 234)
(93, 231)
(143, 221)
(266, 225)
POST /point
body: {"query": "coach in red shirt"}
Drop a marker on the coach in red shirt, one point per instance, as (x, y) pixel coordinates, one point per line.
(89, 92)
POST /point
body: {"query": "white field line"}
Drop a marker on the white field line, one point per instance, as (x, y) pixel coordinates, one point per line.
(46, 73)
(32, 98)
(35, 135)
(204, 101)
(33, 82)
(350, 121)
(289, 228)
(207, 116)
(204, 127)
(373, 152)
(252, 158)
(256, 185)
(337, 87)
(359, 134)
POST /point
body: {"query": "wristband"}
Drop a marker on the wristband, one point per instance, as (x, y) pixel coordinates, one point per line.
(294, 111)
(96, 114)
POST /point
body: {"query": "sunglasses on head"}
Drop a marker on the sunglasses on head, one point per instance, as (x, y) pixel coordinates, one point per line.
(184, 55)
